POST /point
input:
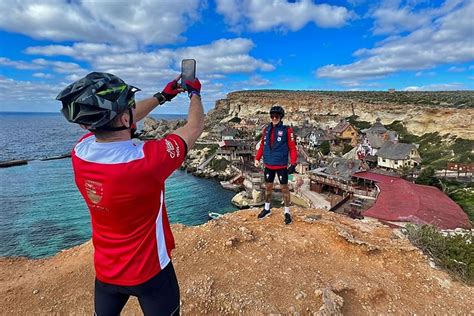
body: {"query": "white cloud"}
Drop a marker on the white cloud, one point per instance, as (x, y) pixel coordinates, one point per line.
(21, 65)
(446, 40)
(436, 87)
(262, 15)
(42, 75)
(390, 18)
(143, 22)
(79, 51)
(27, 96)
(425, 74)
(257, 81)
(456, 69)
(151, 70)
(350, 83)
(224, 56)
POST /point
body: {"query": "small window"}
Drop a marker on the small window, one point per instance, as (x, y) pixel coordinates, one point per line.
(383, 160)
(396, 162)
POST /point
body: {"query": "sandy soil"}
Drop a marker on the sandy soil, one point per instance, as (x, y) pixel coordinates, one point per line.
(238, 264)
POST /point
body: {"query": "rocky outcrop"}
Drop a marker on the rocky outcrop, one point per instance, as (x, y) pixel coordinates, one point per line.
(153, 128)
(420, 113)
(321, 264)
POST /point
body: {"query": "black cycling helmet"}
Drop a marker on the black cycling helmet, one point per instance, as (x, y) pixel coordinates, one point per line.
(278, 110)
(96, 100)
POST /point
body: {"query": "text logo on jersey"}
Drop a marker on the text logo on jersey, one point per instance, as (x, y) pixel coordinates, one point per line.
(170, 148)
(94, 191)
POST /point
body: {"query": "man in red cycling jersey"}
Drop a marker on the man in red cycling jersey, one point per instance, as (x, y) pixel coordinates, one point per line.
(276, 144)
(122, 181)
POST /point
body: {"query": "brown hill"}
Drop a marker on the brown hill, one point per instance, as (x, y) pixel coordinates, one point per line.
(421, 112)
(237, 264)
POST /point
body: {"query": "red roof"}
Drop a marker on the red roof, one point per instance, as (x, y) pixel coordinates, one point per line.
(403, 201)
(375, 177)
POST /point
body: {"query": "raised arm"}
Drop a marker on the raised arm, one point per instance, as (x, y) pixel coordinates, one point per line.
(195, 125)
(144, 107)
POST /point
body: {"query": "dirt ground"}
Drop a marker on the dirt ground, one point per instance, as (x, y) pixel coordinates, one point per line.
(323, 263)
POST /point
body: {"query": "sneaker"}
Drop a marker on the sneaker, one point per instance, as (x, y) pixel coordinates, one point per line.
(264, 213)
(288, 219)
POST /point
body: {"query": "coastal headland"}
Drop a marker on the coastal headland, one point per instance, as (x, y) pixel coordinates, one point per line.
(323, 263)
(421, 112)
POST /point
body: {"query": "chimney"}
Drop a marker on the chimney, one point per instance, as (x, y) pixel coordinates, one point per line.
(350, 164)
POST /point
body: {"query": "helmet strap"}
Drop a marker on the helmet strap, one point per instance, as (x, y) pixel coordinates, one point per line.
(133, 126)
(121, 128)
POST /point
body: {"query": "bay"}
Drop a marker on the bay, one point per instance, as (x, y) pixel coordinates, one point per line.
(41, 211)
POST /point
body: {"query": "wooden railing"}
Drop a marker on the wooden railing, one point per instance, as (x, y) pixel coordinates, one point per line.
(344, 186)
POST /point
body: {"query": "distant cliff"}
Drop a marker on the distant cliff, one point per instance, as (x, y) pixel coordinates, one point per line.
(420, 112)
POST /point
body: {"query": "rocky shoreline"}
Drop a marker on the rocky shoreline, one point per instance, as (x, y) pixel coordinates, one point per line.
(155, 129)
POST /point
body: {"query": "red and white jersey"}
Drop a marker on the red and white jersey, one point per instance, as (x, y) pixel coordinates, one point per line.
(123, 184)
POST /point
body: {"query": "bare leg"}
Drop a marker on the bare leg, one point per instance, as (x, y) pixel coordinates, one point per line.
(268, 192)
(286, 194)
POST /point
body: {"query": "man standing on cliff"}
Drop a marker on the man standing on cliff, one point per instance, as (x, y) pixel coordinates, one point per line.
(123, 184)
(276, 144)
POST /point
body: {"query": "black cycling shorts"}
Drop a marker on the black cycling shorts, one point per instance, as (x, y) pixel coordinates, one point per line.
(282, 175)
(157, 296)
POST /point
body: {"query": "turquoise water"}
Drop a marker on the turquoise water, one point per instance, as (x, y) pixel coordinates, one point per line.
(41, 211)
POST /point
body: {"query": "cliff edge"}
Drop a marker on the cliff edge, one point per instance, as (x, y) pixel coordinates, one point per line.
(448, 112)
(323, 263)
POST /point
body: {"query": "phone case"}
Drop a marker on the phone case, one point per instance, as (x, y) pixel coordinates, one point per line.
(188, 71)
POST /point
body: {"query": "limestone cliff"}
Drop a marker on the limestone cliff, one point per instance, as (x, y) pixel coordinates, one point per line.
(443, 112)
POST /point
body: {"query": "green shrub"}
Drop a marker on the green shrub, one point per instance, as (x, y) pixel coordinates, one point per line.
(347, 148)
(427, 177)
(325, 148)
(219, 164)
(212, 149)
(452, 253)
(462, 194)
(358, 124)
(235, 119)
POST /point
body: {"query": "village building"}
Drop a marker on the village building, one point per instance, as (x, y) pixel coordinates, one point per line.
(229, 134)
(236, 150)
(302, 165)
(216, 131)
(400, 202)
(345, 133)
(301, 133)
(398, 155)
(246, 124)
(337, 178)
(375, 137)
(317, 136)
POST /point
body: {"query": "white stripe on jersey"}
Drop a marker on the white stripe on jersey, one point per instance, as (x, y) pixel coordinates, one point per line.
(160, 237)
(109, 153)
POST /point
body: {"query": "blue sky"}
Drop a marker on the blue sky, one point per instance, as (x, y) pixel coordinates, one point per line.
(245, 44)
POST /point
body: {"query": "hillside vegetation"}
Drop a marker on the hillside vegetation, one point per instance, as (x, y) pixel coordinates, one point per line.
(454, 99)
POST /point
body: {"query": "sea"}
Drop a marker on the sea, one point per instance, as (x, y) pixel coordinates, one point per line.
(41, 210)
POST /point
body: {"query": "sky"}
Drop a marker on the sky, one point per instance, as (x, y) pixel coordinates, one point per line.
(341, 45)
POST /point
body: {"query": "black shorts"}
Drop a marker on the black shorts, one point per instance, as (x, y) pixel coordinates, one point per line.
(157, 296)
(282, 175)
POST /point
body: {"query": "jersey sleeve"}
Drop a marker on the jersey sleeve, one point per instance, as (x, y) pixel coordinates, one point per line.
(292, 147)
(166, 155)
(259, 153)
